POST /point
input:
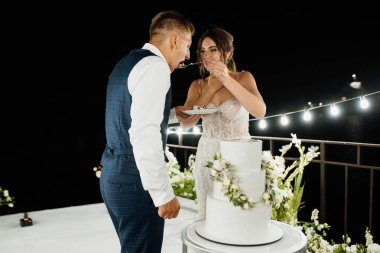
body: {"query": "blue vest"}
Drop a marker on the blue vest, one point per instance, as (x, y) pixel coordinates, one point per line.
(118, 109)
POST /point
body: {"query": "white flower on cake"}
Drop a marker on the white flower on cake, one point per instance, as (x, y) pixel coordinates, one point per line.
(278, 192)
(224, 172)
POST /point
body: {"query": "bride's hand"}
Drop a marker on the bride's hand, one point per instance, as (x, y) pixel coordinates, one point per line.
(182, 117)
(218, 70)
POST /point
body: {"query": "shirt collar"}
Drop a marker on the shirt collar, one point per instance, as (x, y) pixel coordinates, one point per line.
(154, 50)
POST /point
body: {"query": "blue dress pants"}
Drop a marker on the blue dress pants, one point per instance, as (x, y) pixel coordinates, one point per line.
(134, 216)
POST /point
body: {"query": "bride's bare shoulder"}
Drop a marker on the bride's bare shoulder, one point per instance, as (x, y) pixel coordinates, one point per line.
(197, 83)
(244, 74)
(196, 86)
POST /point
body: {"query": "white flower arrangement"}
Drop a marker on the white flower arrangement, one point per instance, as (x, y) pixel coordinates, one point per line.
(5, 198)
(183, 182)
(279, 192)
(283, 183)
(316, 242)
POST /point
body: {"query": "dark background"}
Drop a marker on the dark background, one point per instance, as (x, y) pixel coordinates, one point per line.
(56, 59)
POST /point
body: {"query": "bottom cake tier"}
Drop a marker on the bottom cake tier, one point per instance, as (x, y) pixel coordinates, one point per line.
(228, 224)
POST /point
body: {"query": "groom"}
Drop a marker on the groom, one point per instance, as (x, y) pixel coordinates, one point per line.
(134, 182)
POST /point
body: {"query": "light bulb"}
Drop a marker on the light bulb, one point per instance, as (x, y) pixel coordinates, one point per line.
(334, 110)
(364, 104)
(284, 120)
(307, 116)
(262, 124)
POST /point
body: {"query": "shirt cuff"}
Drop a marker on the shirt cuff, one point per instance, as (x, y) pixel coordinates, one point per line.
(161, 197)
(173, 116)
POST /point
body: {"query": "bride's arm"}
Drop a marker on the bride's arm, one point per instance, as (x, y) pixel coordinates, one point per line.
(245, 91)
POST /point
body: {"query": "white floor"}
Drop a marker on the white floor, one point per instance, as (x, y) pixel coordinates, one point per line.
(80, 229)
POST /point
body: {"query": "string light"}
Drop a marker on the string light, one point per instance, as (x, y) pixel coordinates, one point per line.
(196, 130)
(263, 124)
(334, 110)
(364, 104)
(307, 116)
(284, 120)
(179, 131)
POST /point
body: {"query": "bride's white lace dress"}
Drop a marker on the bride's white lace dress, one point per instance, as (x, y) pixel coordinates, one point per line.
(230, 122)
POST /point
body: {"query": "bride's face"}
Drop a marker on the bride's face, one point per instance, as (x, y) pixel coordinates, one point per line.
(209, 51)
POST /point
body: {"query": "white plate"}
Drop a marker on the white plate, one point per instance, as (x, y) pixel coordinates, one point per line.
(200, 111)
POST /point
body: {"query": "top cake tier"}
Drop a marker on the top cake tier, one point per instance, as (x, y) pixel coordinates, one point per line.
(243, 154)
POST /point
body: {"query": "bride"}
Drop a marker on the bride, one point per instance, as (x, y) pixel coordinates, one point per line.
(234, 93)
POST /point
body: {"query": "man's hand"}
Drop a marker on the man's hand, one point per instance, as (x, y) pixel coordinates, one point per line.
(170, 209)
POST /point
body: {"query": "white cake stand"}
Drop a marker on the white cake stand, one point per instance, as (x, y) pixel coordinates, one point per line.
(292, 241)
(275, 234)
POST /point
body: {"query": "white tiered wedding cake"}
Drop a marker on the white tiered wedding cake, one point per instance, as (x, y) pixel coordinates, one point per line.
(229, 224)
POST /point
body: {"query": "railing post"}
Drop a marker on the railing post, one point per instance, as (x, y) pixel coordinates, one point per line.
(271, 146)
(185, 157)
(345, 199)
(322, 198)
(370, 200)
(180, 139)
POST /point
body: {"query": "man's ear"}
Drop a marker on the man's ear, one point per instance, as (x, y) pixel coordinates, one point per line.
(173, 40)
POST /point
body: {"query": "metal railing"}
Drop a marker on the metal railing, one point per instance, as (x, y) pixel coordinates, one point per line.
(323, 163)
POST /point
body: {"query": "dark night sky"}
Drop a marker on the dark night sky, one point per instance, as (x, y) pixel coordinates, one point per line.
(56, 59)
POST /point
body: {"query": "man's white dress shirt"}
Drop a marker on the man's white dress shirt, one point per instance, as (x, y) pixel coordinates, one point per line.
(148, 83)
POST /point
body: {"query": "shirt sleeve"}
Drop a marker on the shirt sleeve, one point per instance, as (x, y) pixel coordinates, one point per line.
(148, 90)
(173, 116)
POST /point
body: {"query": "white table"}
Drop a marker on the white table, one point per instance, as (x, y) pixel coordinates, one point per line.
(293, 241)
